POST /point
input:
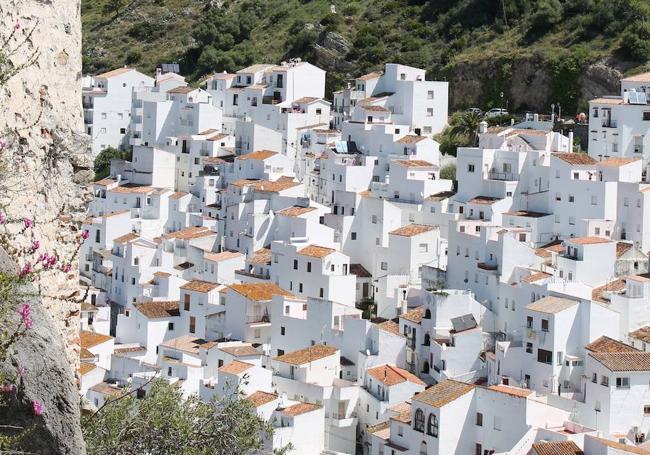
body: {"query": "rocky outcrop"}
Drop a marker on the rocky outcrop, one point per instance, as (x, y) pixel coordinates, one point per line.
(45, 171)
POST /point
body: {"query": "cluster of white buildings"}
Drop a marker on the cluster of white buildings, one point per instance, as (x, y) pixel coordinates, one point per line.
(310, 255)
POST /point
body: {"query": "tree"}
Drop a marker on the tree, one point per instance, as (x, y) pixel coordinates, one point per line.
(114, 6)
(467, 125)
(165, 423)
(448, 172)
(102, 163)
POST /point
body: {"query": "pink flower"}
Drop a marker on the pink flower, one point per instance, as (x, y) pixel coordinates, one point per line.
(28, 223)
(66, 268)
(25, 313)
(35, 245)
(85, 234)
(17, 25)
(38, 408)
(3, 217)
(3, 143)
(21, 371)
(7, 388)
(26, 270)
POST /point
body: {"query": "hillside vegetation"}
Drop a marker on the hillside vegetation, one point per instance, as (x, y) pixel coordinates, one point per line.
(485, 47)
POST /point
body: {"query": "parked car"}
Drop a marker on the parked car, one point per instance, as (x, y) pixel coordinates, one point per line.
(496, 112)
(474, 110)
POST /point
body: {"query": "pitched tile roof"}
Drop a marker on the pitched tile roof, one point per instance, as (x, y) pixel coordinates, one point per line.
(182, 90)
(392, 375)
(188, 343)
(589, 240)
(410, 139)
(625, 448)
(578, 159)
(305, 100)
(85, 368)
(306, 355)
(158, 310)
(413, 163)
(607, 344)
(411, 230)
(443, 393)
(188, 233)
(299, 408)
(484, 200)
(126, 238)
(360, 271)
(641, 77)
(261, 398)
(622, 248)
(295, 211)
(223, 256)
(617, 162)
(624, 361)
(642, 334)
(259, 292)
(390, 327)
(373, 108)
(616, 287)
(178, 195)
(89, 339)
(108, 389)
(115, 72)
(244, 350)
(261, 257)
(267, 186)
(316, 251)
(551, 304)
(441, 196)
(556, 448)
(536, 276)
(199, 286)
(258, 155)
(235, 367)
(414, 315)
(403, 412)
(511, 390)
(370, 76)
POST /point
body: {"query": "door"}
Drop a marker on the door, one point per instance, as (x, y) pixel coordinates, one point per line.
(365, 290)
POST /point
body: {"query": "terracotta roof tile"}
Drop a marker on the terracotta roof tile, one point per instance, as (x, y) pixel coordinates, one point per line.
(641, 77)
(622, 248)
(235, 367)
(607, 344)
(591, 240)
(360, 271)
(413, 163)
(410, 139)
(411, 230)
(578, 159)
(244, 350)
(392, 375)
(616, 287)
(182, 90)
(642, 334)
(223, 256)
(390, 327)
(484, 200)
(188, 343)
(261, 398)
(624, 361)
(551, 304)
(126, 238)
(115, 72)
(536, 276)
(158, 310)
(374, 108)
(178, 195)
(305, 100)
(415, 315)
(511, 390)
(108, 389)
(259, 292)
(316, 251)
(261, 257)
(625, 448)
(556, 448)
(370, 76)
(443, 393)
(295, 210)
(258, 155)
(299, 408)
(89, 339)
(188, 233)
(441, 196)
(199, 286)
(306, 355)
(85, 368)
(617, 162)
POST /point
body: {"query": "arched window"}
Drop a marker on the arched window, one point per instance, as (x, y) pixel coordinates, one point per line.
(427, 339)
(427, 314)
(425, 367)
(419, 420)
(423, 448)
(432, 425)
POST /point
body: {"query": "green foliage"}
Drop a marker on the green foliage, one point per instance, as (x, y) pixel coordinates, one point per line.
(165, 423)
(462, 131)
(102, 165)
(435, 35)
(448, 172)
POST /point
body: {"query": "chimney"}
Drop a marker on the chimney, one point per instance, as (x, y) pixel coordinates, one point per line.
(482, 127)
(536, 117)
(158, 72)
(570, 141)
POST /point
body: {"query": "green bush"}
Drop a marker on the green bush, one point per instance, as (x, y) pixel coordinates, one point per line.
(102, 165)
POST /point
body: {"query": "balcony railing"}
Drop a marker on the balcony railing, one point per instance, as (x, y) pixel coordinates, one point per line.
(504, 176)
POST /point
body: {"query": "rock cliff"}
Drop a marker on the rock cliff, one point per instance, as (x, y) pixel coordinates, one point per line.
(45, 172)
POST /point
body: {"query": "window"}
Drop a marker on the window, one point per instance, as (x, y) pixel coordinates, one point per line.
(497, 423)
(430, 112)
(319, 111)
(192, 324)
(282, 331)
(432, 425)
(122, 130)
(424, 247)
(299, 287)
(571, 198)
(478, 449)
(622, 383)
(646, 116)
(170, 326)
(544, 325)
(594, 200)
(374, 219)
(529, 348)
(186, 302)
(604, 381)
(384, 266)
(321, 293)
(309, 267)
(419, 421)
(430, 95)
(646, 409)
(295, 264)
(529, 322)
(479, 419)
(470, 168)
(544, 356)
(594, 378)
(353, 235)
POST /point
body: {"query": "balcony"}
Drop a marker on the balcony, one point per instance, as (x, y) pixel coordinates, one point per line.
(259, 319)
(488, 267)
(502, 176)
(609, 123)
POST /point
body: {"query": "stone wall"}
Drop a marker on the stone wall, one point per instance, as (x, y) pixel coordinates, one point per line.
(45, 172)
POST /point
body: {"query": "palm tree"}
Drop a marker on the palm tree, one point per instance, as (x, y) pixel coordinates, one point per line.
(467, 125)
